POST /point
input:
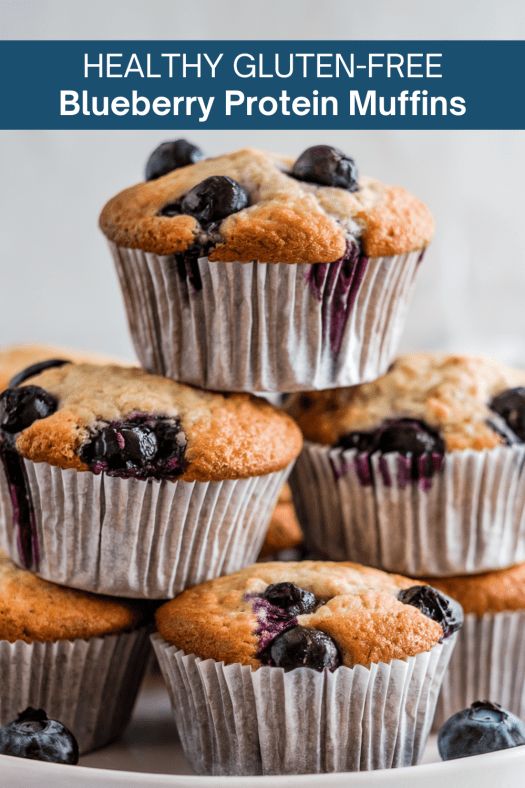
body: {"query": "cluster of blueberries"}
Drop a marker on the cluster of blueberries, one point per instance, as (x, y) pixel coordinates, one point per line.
(219, 196)
(142, 446)
(294, 646)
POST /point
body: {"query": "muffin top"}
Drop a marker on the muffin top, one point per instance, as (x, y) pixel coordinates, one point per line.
(128, 423)
(425, 401)
(284, 532)
(261, 206)
(490, 592)
(343, 613)
(33, 609)
(17, 357)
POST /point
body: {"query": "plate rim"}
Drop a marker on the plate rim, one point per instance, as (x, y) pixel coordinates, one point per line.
(386, 776)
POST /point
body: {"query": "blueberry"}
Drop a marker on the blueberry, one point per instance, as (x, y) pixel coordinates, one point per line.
(169, 156)
(360, 441)
(436, 605)
(20, 407)
(484, 727)
(302, 647)
(510, 405)
(294, 600)
(405, 436)
(214, 198)
(36, 369)
(327, 166)
(142, 447)
(408, 436)
(33, 735)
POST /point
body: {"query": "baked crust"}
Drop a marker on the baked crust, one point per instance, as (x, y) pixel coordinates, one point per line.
(449, 392)
(288, 221)
(229, 436)
(15, 358)
(32, 609)
(216, 620)
(490, 592)
(284, 531)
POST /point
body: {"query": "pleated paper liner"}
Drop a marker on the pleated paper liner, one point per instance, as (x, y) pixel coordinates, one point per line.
(233, 720)
(265, 326)
(488, 664)
(88, 685)
(132, 538)
(467, 516)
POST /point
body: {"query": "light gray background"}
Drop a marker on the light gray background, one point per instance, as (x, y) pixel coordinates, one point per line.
(57, 281)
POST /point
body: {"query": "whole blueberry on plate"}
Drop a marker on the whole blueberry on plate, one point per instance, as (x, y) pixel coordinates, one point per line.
(294, 600)
(436, 605)
(20, 407)
(303, 647)
(33, 735)
(510, 405)
(170, 156)
(484, 727)
(214, 198)
(326, 166)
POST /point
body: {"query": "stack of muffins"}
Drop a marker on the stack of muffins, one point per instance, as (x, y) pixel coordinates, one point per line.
(242, 273)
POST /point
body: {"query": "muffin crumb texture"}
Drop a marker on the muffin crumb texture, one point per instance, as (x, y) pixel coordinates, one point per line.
(490, 592)
(31, 609)
(449, 393)
(358, 608)
(287, 220)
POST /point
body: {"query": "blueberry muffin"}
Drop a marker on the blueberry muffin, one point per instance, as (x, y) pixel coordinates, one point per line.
(62, 649)
(254, 272)
(419, 471)
(284, 536)
(126, 483)
(489, 659)
(299, 646)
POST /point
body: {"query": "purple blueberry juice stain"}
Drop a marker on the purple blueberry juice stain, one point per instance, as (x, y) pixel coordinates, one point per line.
(271, 621)
(336, 286)
(188, 268)
(418, 450)
(23, 512)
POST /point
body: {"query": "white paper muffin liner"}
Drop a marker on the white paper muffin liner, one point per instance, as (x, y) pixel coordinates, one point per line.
(233, 720)
(469, 517)
(263, 326)
(146, 539)
(488, 664)
(89, 685)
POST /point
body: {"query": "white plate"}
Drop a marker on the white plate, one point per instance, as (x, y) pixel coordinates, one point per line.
(149, 754)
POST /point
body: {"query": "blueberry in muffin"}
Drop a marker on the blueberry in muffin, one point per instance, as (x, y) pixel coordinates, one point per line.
(323, 613)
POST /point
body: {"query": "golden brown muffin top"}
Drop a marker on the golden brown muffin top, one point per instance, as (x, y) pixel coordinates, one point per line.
(490, 592)
(15, 358)
(226, 436)
(32, 609)
(451, 393)
(288, 220)
(359, 610)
